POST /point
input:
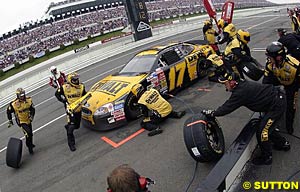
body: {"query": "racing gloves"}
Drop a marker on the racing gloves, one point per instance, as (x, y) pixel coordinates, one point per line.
(208, 113)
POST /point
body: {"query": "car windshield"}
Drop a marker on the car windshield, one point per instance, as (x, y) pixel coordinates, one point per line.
(139, 64)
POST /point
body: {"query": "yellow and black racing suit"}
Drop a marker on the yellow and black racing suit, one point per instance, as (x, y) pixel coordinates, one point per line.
(229, 33)
(210, 35)
(295, 24)
(71, 93)
(24, 113)
(259, 98)
(155, 109)
(288, 76)
(235, 53)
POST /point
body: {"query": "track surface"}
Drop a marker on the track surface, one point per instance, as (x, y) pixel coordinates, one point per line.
(163, 157)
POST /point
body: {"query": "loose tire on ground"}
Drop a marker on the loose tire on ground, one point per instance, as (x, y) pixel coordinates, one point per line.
(203, 138)
(14, 153)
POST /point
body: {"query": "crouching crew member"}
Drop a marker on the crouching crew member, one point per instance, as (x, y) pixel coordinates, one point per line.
(258, 98)
(237, 51)
(69, 93)
(154, 108)
(24, 111)
(282, 69)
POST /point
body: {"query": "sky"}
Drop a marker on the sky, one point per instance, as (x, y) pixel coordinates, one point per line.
(16, 12)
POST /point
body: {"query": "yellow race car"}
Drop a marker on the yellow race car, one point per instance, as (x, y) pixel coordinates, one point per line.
(166, 68)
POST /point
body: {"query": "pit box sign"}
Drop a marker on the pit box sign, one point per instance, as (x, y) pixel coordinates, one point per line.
(138, 17)
(227, 11)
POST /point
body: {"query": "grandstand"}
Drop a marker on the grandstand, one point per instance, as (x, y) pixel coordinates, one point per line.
(76, 20)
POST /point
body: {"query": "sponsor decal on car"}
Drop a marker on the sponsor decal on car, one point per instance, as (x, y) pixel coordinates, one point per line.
(118, 113)
(119, 106)
(111, 120)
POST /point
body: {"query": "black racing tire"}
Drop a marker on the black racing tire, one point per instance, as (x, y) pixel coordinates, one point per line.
(14, 153)
(202, 68)
(132, 111)
(203, 138)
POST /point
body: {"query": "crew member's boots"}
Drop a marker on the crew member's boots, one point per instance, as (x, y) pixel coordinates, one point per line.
(262, 160)
(285, 147)
(156, 131)
(177, 115)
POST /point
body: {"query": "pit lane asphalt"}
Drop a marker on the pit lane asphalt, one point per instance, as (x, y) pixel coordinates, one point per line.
(163, 158)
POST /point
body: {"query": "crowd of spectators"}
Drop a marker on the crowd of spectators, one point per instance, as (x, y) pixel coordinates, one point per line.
(48, 36)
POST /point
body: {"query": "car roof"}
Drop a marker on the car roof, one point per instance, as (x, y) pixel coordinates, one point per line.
(156, 49)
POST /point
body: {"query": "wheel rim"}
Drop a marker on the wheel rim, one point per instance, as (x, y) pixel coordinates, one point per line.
(212, 137)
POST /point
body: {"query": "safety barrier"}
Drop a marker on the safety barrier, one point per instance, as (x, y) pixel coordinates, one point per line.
(222, 176)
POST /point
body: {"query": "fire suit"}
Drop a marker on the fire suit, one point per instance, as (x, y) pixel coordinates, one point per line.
(229, 33)
(24, 113)
(71, 93)
(210, 35)
(288, 76)
(292, 43)
(235, 53)
(259, 98)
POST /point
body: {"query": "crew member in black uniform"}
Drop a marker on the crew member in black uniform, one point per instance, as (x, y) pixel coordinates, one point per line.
(69, 93)
(229, 31)
(237, 51)
(258, 98)
(282, 69)
(24, 111)
(210, 34)
(291, 41)
(154, 107)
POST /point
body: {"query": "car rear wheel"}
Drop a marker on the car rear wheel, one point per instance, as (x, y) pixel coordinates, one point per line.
(201, 67)
(203, 138)
(132, 111)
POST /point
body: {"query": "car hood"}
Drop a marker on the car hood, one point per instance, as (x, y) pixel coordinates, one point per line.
(111, 89)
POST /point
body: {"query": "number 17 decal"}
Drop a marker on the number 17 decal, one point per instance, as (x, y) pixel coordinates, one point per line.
(176, 75)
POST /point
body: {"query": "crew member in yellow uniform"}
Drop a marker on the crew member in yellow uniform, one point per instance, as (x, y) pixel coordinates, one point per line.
(229, 31)
(210, 34)
(154, 108)
(237, 51)
(216, 67)
(24, 111)
(282, 69)
(69, 93)
(294, 22)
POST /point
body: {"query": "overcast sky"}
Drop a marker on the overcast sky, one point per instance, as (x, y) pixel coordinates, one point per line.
(16, 12)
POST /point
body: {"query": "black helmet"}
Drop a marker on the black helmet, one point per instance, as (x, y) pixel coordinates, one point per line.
(277, 52)
(20, 92)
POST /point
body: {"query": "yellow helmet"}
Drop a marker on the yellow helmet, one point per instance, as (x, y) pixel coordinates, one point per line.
(207, 22)
(20, 92)
(73, 79)
(221, 23)
(137, 90)
(243, 36)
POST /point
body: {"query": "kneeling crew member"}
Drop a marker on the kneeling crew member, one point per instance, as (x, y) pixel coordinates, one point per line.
(71, 91)
(258, 98)
(24, 111)
(154, 108)
(282, 69)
